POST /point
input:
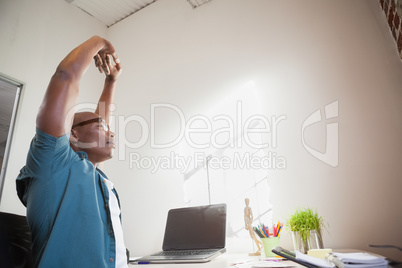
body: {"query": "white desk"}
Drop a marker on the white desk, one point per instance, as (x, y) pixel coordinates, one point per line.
(222, 261)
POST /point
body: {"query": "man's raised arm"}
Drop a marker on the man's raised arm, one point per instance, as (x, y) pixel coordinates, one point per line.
(55, 115)
(109, 88)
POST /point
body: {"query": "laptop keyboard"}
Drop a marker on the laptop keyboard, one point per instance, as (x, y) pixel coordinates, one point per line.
(185, 252)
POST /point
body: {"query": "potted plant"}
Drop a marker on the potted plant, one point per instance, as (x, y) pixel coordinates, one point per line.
(306, 226)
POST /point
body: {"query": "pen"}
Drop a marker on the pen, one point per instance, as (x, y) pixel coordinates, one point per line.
(134, 262)
(280, 229)
(258, 232)
(272, 259)
(264, 232)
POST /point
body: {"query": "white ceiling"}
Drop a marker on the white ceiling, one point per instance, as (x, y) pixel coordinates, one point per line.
(110, 12)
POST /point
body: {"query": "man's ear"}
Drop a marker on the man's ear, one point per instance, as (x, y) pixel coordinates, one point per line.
(73, 136)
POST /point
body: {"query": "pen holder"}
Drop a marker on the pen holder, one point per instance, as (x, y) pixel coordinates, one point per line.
(269, 243)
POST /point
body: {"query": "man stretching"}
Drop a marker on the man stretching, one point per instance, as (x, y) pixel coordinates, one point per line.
(73, 209)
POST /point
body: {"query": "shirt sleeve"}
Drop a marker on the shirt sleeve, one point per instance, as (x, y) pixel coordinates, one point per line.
(44, 153)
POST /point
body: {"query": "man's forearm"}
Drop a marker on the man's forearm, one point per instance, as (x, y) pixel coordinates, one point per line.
(109, 88)
(106, 98)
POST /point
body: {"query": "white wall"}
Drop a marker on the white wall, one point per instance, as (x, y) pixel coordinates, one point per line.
(36, 36)
(301, 55)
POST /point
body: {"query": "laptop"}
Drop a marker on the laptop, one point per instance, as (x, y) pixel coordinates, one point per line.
(192, 234)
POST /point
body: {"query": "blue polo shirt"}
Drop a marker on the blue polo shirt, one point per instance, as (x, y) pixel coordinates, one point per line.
(67, 206)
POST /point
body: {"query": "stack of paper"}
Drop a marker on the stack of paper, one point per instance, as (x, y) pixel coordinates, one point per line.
(357, 260)
(313, 260)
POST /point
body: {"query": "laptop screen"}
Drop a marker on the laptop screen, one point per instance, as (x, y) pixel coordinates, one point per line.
(200, 227)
